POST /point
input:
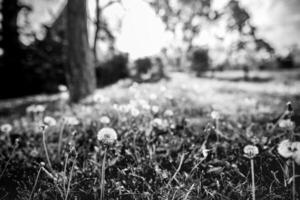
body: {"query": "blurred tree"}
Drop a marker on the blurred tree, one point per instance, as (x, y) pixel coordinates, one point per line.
(81, 77)
(248, 42)
(185, 15)
(184, 18)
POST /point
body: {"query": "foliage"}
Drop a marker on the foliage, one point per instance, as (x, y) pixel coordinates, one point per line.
(200, 61)
(112, 70)
(148, 69)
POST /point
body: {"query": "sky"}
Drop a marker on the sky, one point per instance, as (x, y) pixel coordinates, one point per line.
(142, 33)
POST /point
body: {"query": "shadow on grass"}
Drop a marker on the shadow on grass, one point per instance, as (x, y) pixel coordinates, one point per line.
(253, 79)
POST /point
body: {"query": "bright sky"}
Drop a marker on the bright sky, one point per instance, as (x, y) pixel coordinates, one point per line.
(142, 33)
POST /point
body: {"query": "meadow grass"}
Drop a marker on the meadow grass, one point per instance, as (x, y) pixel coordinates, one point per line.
(168, 144)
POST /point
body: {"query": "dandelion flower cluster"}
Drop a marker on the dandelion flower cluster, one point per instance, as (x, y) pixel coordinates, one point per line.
(107, 135)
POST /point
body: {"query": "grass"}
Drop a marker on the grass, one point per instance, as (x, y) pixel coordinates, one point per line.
(182, 156)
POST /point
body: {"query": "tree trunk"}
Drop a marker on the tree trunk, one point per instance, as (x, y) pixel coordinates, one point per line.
(12, 52)
(97, 29)
(80, 67)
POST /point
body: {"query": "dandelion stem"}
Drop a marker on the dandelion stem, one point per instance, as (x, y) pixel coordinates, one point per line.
(178, 169)
(70, 179)
(65, 172)
(60, 138)
(294, 183)
(46, 151)
(35, 183)
(286, 174)
(188, 193)
(218, 130)
(252, 177)
(103, 175)
(11, 156)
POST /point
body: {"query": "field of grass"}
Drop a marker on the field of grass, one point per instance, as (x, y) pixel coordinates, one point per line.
(178, 139)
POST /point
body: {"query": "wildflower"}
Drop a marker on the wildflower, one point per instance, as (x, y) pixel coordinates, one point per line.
(35, 109)
(40, 108)
(169, 113)
(296, 149)
(250, 151)
(34, 152)
(155, 109)
(162, 88)
(6, 128)
(62, 88)
(284, 149)
(107, 135)
(73, 121)
(153, 96)
(286, 123)
(64, 95)
(146, 107)
(134, 112)
(30, 109)
(169, 97)
(50, 121)
(215, 115)
(41, 126)
(269, 127)
(105, 120)
(288, 149)
(157, 122)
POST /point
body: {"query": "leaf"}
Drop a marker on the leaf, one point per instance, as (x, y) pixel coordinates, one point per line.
(215, 170)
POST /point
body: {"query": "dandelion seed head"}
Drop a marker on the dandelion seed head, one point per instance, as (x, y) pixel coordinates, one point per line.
(153, 97)
(286, 123)
(105, 120)
(70, 120)
(62, 88)
(284, 149)
(134, 112)
(215, 115)
(50, 121)
(40, 108)
(6, 128)
(169, 113)
(251, 151)
(107, 135)
(155, 109)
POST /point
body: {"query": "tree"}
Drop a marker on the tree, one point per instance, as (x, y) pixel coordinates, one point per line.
(12, 49)
(102, 29)
(81, 77)
(183, 19)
